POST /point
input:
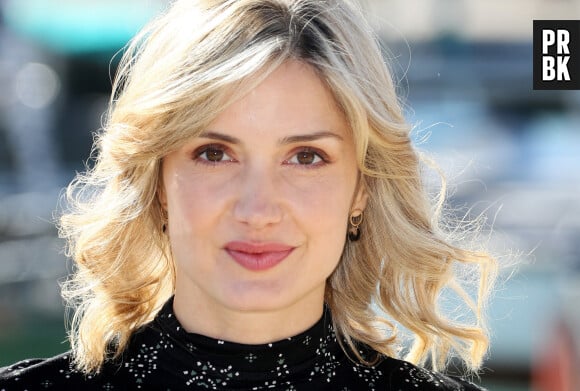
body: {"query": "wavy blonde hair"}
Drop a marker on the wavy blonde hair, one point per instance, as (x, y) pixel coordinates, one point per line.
(175, 77)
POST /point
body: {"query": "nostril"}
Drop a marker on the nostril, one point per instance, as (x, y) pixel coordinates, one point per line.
(257, 208)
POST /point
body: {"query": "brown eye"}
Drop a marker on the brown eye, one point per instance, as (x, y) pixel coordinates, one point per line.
(214, 155)
(306, 158)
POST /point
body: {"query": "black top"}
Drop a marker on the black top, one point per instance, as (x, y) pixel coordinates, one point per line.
(163, 356)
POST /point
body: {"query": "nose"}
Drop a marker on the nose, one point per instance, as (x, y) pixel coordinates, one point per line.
(257, 202)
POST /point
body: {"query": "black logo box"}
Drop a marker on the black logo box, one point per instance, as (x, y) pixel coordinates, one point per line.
(573, 64)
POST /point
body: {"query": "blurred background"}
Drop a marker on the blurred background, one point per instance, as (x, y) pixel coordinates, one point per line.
(464, 69)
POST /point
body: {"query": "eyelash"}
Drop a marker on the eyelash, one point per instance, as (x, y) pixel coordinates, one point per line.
(204, 149)
(318, 153)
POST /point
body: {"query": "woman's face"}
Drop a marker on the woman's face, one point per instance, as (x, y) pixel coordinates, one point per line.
(258, 205)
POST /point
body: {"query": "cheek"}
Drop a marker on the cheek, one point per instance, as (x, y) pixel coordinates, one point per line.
(194, 209)
(324, 223)
(192, 203)
(323, 205)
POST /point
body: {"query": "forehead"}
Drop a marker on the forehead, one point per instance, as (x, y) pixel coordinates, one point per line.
(291, 98)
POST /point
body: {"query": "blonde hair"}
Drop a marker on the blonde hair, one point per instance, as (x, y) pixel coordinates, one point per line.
(176, 76)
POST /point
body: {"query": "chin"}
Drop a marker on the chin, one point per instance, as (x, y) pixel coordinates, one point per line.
(258, 297)
(267, 296)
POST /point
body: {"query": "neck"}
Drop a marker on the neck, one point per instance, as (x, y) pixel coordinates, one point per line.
(247, 326)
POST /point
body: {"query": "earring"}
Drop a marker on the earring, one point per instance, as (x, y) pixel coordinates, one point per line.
(164, 221)
(355, 219)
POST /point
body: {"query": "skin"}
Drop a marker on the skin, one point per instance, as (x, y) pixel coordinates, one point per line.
(277, 166)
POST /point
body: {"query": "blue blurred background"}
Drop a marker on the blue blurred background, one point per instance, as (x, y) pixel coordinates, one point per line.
(464, 69)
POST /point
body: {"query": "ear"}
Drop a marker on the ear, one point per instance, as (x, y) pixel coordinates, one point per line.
(360, 197)
(161, 193)
(162, 196)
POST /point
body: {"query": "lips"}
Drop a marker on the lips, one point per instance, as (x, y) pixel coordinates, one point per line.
(258, 256)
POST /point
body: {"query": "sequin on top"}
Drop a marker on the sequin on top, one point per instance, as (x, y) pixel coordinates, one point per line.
(163, 356)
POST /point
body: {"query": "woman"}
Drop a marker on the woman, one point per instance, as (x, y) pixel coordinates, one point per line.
(255, 217)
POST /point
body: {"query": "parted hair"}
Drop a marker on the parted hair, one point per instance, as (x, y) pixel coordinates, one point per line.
(174, 78)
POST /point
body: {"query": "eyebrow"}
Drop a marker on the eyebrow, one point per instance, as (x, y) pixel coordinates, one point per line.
(309, 137)
(220, 137)
(300, 138)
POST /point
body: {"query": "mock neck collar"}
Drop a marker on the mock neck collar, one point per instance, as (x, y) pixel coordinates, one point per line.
(306, 353)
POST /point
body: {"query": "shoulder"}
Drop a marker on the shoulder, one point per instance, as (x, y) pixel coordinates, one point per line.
(59, 373)
(405, 375)
(56, 373)
(37, 373)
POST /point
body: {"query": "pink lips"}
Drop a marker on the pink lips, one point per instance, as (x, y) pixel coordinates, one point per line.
(258, 256)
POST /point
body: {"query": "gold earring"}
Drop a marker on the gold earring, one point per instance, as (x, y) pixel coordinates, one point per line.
(355, 219)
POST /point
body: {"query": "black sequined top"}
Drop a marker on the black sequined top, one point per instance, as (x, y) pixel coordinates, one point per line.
(163, 356)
